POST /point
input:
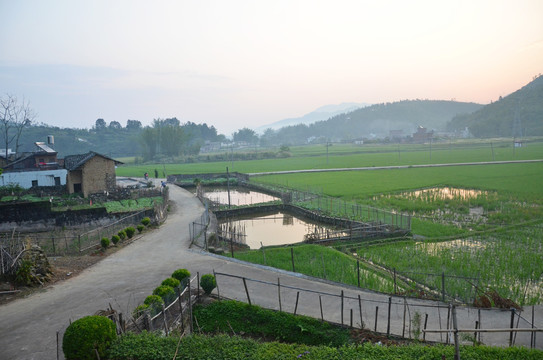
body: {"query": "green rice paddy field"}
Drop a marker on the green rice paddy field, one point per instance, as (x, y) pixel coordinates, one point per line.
(491, 239)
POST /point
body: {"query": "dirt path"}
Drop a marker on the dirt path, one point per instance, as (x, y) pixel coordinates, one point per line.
(29, 326)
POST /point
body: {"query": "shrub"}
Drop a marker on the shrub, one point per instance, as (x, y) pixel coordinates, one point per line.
(208, 283)
(130, 231)
(153, 300)
(173, 282)
(146, 221)
(122, 234)
(139, 310)
(165, 292)
(140, 228)
(183, 275)
(104, 242)
(86, 335)
(115, 239)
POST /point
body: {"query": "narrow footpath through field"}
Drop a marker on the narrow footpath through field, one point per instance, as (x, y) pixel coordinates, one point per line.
(29, 326)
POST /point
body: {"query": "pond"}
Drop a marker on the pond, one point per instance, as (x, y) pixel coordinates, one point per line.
(272, 229)
(439, 193)
(238, 196)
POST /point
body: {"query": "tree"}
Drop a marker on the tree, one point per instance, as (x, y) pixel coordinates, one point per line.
(245, 134)
(115, 125)
(14, 118)
(100, 124)
(133, 124)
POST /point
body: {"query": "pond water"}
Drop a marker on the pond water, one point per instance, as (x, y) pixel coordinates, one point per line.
(274, 229)
(442, 193)
(238, 196)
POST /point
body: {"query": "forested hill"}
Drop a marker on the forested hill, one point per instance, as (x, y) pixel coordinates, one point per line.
(516, 115)
(378, 120)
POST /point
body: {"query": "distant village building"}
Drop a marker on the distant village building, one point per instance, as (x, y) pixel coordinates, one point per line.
(38, 168)
(396, 135)
(422, 135)
(90, 173)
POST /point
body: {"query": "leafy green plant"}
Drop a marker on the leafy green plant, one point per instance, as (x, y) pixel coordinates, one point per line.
(104, 242)
(416, 325)
(172, 282)
(208, 283)
(122, 234)
(129, 231)
(23, 273)
(115, 239)
(145, 221)
(140, 228)
(87, 336)
(165, 292)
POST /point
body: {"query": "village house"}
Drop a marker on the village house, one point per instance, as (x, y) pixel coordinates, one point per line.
(90, 173)
(38, 168)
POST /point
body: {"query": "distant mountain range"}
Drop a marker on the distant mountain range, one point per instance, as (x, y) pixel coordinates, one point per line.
(322, 113)
(516, 115)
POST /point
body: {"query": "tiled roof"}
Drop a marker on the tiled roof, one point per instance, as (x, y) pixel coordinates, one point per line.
(74, 162)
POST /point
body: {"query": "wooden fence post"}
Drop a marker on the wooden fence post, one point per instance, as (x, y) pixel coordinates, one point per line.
(443, 286)
(320, 303)
(342, 300)
(279, 293)
(358, 270)
(218, 293)
(512, 326)
(455, 326)
(425, 324)
(376, 314)
(389, 308)
(246, 291)
(360, 309)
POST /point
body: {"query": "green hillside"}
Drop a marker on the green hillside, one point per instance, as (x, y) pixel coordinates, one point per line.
(516, 115)
(378, 120)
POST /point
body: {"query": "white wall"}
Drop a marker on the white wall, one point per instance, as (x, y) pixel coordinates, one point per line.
(24, 178)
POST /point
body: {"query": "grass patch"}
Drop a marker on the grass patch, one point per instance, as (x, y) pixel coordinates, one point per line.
(260, 322)
(321, 262)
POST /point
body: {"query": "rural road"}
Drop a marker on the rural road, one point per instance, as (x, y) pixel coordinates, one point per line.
(29, 326)
(394, 167)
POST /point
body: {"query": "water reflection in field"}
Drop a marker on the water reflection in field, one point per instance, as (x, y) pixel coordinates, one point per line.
(238, 196)
(274, 229)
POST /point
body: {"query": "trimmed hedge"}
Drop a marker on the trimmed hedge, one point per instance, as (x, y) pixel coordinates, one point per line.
(165, 292)
(171, 282)
(183, 275)
(208, 283)
(130, 231)
(87, 335)
(104, 242)
(115, 239)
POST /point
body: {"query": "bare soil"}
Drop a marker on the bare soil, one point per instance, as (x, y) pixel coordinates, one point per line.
(64, 267)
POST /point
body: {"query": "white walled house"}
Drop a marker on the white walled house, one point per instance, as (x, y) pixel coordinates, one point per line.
(28, 179)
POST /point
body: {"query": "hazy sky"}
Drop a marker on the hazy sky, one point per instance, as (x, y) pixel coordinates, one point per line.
(234, 63)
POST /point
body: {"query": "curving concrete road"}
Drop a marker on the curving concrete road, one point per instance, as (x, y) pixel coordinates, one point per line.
(28, 327)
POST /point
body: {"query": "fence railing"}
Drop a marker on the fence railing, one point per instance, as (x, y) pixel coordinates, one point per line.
(69, 242)
(392, 315)
(198, 229)
(316, 201)
(176, 312)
